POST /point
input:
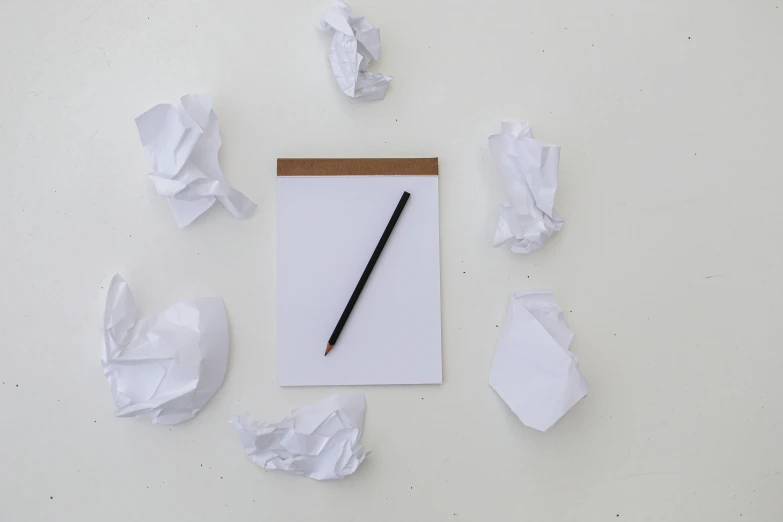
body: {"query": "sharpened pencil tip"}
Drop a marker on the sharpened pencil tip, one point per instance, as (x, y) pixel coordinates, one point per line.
(328, 348)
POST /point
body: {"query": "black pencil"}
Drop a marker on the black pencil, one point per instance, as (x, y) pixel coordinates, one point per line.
(367, 271)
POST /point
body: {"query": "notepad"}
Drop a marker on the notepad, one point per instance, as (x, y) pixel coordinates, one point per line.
(330, 215)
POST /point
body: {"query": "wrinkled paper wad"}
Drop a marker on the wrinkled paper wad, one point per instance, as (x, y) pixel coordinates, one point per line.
(528, 171)
(167, 366)
(320, 441)
(533, 371)
(356, 43)
(182, 144)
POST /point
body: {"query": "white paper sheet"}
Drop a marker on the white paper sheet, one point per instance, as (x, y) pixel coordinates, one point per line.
(533, 371)
(356, 43)
(528, 170)
(320, 441)
(167, 366)
(393, 335)
(182, 144)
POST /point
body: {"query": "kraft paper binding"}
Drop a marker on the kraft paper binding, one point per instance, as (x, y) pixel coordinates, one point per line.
(357, 167)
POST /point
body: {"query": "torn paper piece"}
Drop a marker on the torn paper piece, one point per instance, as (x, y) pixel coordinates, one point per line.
(182, 144)
(320, 441)
(528, 171)
(167, 366)
(355, 44)
(533, 371)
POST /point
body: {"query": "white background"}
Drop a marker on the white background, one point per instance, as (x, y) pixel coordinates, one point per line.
(668, 267)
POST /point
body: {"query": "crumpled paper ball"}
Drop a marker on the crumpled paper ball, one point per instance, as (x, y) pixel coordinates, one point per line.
(164, 367)
(528, 171)
(533, 371)
(182, 144)
(319, 441)
(356, 43)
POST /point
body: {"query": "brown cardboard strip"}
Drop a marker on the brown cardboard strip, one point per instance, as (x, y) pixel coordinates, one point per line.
(357, 166)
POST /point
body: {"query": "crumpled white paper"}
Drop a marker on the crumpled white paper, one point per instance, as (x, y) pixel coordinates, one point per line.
(528, 170)
(533, 371)
(182, 144)
(167, 366)
(320, 441)
(355, 44)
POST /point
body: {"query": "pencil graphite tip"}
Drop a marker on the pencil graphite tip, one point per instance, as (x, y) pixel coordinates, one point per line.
(328, 348)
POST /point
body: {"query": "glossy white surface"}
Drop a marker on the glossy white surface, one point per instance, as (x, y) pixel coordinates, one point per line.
(668, 267)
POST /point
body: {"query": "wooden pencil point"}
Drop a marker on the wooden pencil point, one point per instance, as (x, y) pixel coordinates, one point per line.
(328, 348)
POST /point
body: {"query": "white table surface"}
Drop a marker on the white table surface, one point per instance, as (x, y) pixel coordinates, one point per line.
(668, 267)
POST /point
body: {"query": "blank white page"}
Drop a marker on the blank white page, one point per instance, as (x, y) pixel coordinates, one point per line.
(327, 229)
